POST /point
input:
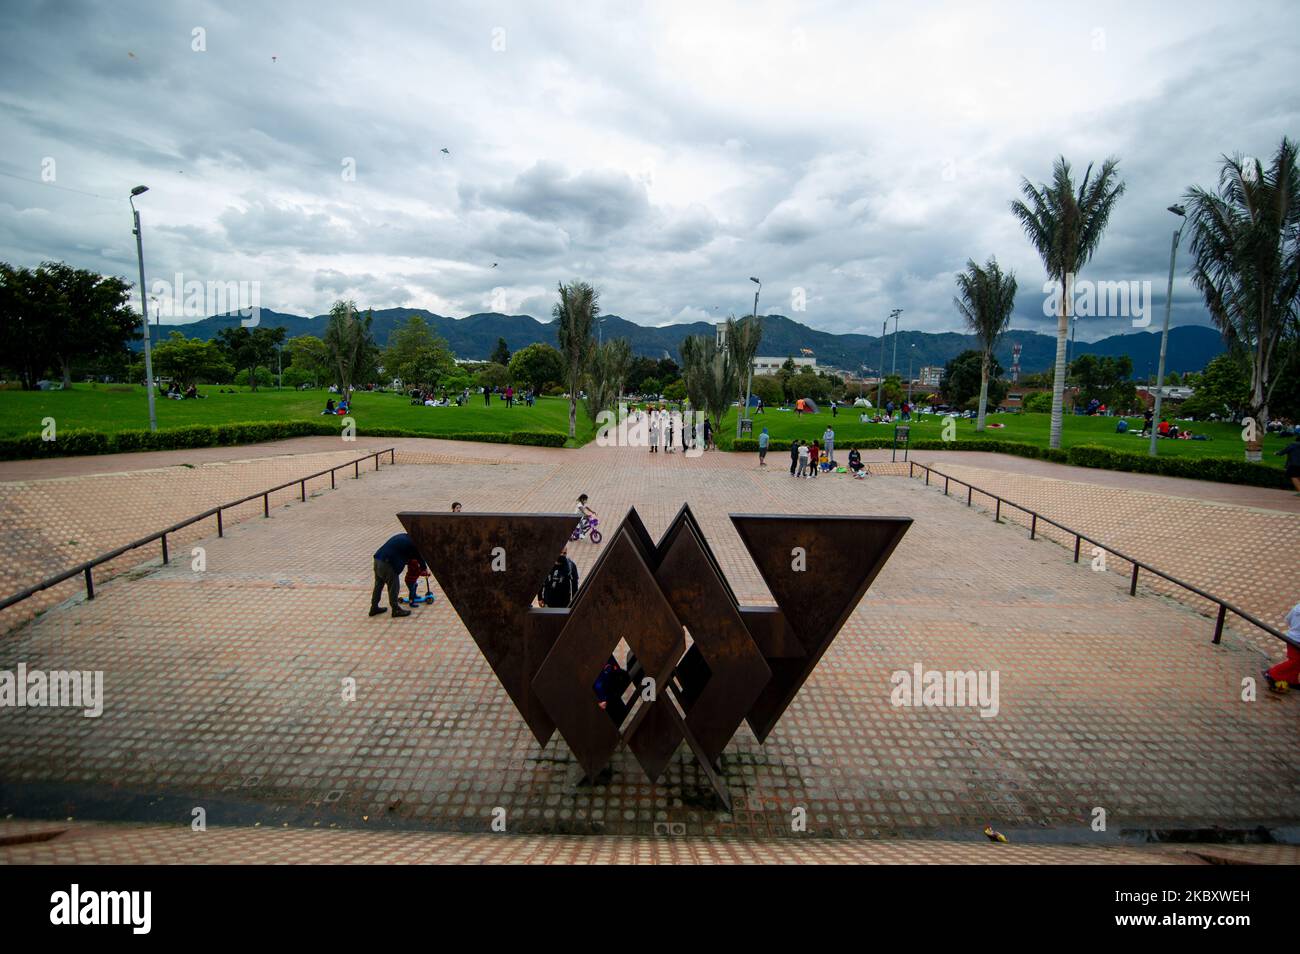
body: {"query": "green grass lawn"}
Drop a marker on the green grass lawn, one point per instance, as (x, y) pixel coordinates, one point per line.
(785, 426)
(109, 408)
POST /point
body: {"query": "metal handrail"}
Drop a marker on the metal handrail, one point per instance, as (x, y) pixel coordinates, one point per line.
(88, 566)
(1035, 517)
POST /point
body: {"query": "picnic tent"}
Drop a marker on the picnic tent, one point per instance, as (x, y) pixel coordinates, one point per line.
(806, 406)
(862, 402)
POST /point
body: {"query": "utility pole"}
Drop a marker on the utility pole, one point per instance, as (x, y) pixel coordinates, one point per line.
(1181, 212)
(894, 314)
(144, 309)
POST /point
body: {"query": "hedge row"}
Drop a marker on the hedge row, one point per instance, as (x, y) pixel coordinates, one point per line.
(75, 443)
(1084, 455)
(1203, 468)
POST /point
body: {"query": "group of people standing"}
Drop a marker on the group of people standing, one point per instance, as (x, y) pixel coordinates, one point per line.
(806, 459)
(666, 427)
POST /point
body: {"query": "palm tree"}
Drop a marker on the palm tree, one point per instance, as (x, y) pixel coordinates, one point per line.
(985, 298)
(348, 341)
(1246, 262)
(575, 316)
(1065, 227)
(607, 370)
(743, 338)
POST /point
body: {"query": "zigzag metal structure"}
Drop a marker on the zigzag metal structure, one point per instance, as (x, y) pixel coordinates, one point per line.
(742, 663)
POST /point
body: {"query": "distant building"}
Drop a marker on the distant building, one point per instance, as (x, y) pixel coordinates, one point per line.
(930, 376)
(769, 365)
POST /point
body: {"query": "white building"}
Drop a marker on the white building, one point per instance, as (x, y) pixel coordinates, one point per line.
(768, 365)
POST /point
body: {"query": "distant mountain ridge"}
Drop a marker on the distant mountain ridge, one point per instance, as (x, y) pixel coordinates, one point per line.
(1190, 346)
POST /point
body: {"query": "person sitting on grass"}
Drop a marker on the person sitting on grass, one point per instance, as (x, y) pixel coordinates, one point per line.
(329, 406)
(1292, 453)
(1163, 428)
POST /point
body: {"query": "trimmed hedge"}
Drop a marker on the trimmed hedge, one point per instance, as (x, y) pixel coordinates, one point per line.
(1202, 468)
(76, 443)
(1084, 455)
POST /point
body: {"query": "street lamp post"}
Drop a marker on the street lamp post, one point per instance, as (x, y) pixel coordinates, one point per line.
(880, 378)
(144, 309)
(1181, 212)
(894, 314)
(911, 354)
(749, 374)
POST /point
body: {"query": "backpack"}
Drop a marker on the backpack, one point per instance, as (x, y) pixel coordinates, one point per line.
(561, 584)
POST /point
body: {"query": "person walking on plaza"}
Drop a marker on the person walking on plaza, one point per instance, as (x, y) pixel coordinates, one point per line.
(1287, 674)
(803, 460)
(794, 457)
(654, 432)
(390, 561)
(829, 438)
(1292, 453)
(814, 457)
(763, 441)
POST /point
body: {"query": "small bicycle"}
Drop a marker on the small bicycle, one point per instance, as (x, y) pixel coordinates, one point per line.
(587, 529)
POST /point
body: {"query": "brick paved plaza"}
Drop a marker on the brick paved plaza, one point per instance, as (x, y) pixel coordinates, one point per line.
(222, 688)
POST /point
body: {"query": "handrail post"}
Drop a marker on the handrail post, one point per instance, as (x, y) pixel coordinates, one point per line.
(221, 529)
(164, 549)
(1218, 625)
(1133, 583)
(945, 485)
(1077, 540)
(331, 478)
(997, 517)
(1033, 526)
(302, 484)
(266, 505)
(90, 585)
(969, 490)
(927, 476)
(376, 460)
(392, 455)
(356, 467)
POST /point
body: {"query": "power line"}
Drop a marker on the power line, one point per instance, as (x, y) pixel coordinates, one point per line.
(51, 185)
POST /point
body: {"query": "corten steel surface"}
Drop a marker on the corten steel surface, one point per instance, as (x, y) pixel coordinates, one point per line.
(461, 550)
(742, 662)
(842, 555)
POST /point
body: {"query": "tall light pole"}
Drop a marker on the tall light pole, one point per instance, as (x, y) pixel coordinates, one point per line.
(880, 383)
(911, 354)
(894, 314)
(1181, 212)
(749, 374)
(144, 309)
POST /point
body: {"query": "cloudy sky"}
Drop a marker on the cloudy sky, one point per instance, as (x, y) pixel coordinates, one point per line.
(851, 155)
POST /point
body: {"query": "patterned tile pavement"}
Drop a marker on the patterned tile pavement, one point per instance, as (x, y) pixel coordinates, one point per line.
(223, 688)
(99, 843)
(1249, 556)
(54, 523)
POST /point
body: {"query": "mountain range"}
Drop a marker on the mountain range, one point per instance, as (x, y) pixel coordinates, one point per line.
(474, 336)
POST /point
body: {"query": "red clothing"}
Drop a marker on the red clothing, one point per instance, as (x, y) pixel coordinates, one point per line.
(414, 570)
(1289, 670)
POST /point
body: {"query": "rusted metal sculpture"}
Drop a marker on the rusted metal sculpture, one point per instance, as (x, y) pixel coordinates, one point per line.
(742, 663)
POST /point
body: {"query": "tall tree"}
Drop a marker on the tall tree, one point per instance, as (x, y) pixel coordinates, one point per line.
(190, 361)
(985, 297)
(575, 316)
(709, 374)
(606, 374)
(250, 348)
(29, 307)
(501, 353)
(1246, 262)
(537, 365)
(349, 343)
(417, 355)
(743, 338)
(1065, 226)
